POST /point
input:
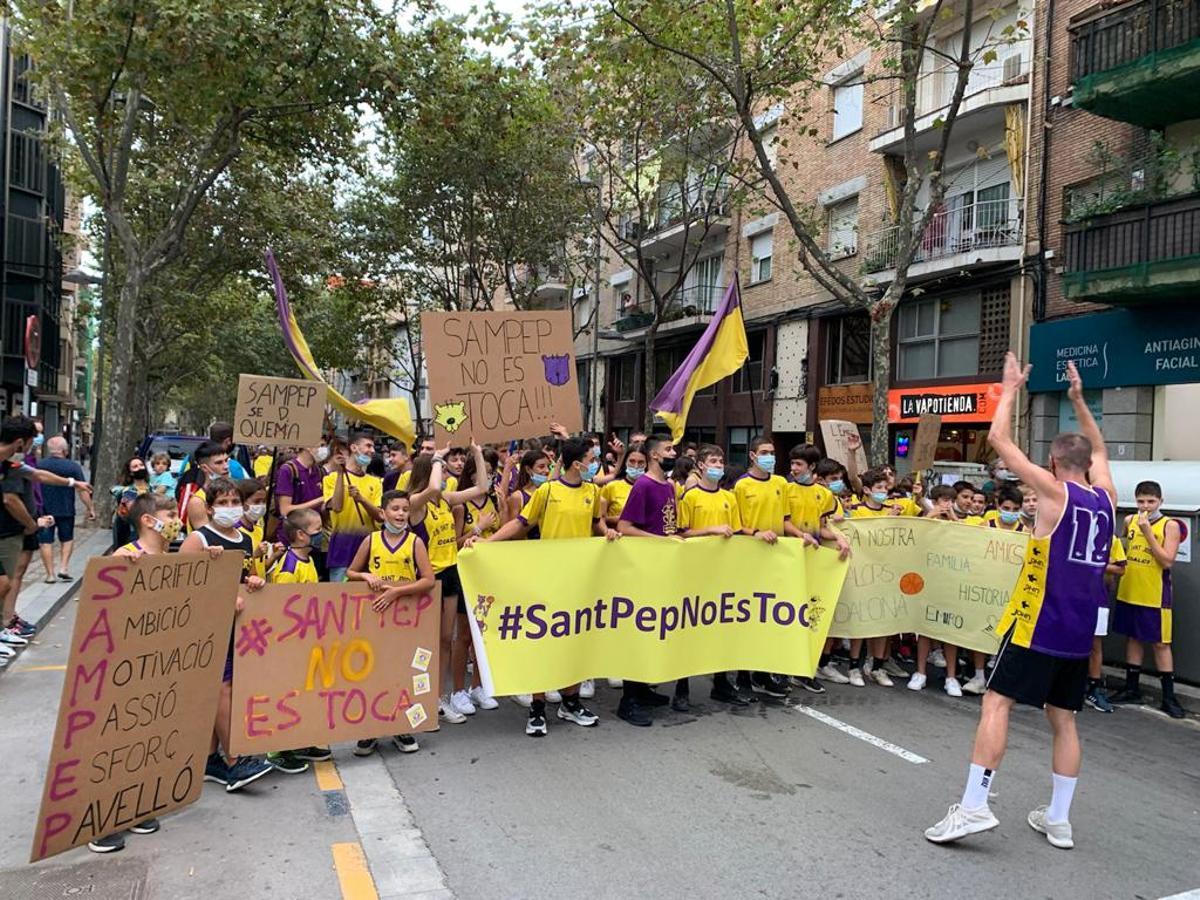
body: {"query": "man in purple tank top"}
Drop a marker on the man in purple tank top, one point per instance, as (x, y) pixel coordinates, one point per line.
(1051, 616)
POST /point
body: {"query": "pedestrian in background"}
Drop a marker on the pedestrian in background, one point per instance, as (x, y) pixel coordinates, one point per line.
(58, 503)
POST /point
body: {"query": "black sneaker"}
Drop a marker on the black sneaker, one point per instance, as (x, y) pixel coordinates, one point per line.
(724, 693)
(365, 747)
(246, 770)
(314, 754)
(632, 713)
(574, 711)
(149, 826)
(770, 685)
(216, 769)
(535, 726)
(1098, 700)
(108, 844)
(680, 703)
(1127, 696)
(406, 743)
(650, 697)
(1172, 708)
(288, 762)
(812, 685)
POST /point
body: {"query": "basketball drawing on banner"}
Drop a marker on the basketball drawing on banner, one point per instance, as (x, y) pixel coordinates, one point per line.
(497, 376)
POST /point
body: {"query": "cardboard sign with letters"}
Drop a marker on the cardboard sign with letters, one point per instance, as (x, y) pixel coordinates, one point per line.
(924, 446)
(315, 664)
(140, 695)
(835, 432)
(279, 412)
(497, 376)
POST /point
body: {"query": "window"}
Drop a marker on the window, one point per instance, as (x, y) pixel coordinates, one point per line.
(843, 227)
(770, 141)
(849, 350)
(627, 372)
(622, 298)
(739, 446)
(939, 338)
(700, 436)
(848, 106)
(749, 376)
(762, 246)
(583, 377)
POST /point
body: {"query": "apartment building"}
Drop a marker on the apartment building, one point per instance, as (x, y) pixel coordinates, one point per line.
(1118, 209)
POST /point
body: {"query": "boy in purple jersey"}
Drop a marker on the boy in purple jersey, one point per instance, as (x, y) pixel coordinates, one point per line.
(1049, 620)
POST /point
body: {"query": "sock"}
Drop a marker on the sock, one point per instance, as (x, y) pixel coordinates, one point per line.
(975, 794)
(1132, 675)
(1168, 685)
(682, 688)
(1093, 684)
(823, 661)
(879, 661)
(1060, 800)
(571, 701)
(537, 708)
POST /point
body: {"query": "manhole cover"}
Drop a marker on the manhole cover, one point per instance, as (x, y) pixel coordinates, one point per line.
(97, 879)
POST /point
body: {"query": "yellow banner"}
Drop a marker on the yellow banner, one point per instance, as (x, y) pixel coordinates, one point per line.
(546, 614)
(945, 580)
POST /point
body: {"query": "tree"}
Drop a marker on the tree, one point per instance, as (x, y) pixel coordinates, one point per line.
(756, 55)
(158, 100)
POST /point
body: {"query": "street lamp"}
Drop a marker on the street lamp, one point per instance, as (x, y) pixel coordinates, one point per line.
(587, 184)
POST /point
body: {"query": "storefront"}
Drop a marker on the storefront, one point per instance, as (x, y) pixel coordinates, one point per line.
(966, 411)
(1141, 372)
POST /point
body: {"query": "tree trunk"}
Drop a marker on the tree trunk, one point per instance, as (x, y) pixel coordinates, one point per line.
(117, 416)
(881, 370)
(650, 385)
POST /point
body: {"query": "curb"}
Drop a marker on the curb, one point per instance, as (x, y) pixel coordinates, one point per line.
(63, 600)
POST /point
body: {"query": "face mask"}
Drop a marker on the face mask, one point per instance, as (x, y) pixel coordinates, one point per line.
(766, 462)
(1154, 516)
(169, 530)
(139, 475)
(39, 440)
(715, 473)
(806, 478)
(394, 529)
(1008, 517)
(316, 540)
(592, 468)
(1027, 516)
(256, 511)
(667, 463)
(227, 516)
(837, 486)
(1005, 475)
(633, 474)
(321, 454)
(363, 459)
(879, 497)
(538, 479)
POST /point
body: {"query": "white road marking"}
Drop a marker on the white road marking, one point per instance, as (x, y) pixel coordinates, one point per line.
(1186, 895)
(906, 755)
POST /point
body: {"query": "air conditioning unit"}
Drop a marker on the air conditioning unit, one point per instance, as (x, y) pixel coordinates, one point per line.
(1013, 68)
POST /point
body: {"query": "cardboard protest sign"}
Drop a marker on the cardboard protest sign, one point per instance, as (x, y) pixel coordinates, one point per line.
(500, 375)
(946, 580)
(140, 696)
(835, 433)
(315, 664)
(924, 446)
(279, 412)
(551, 613)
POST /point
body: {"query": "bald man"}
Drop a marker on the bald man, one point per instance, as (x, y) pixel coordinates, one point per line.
(59, 503)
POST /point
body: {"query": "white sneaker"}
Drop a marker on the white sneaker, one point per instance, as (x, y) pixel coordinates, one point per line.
(960, 822)
(976, 685)
(587, 689)
(952, 687)
(1057, 833)
(553, 697)
(616, 683)
(448, 713)
(881, 678)
(461, 702)
(832, 673)
(6, 651)
(482, 699)
(937, 658)
(856, 678)
(12, 636)
(525, 700)
(917, 682)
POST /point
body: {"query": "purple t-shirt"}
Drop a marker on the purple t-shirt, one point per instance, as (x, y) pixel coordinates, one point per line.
(299, 484)
(651, 506)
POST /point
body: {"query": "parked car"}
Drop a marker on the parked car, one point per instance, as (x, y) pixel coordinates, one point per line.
(177, 446)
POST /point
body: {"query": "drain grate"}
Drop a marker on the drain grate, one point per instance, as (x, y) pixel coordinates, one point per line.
(98, 879)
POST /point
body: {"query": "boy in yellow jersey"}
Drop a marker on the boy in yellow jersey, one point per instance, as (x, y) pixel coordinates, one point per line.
(614, 494)
(832, 474)
(394, 563)
(213, 462)
(1096, 697)
(706, 509)
(964, 503)
(1050, 620)
(1144, 598)
(567, 507)
(426, 446)
(809, 501)
(1008, 509)
(352, 499)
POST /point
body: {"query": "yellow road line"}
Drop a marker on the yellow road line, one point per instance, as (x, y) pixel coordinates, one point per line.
(328, 778)
(39, 669)
(352, 872)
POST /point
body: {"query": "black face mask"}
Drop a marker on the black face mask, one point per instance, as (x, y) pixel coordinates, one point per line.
(668, 463)
(139, 475)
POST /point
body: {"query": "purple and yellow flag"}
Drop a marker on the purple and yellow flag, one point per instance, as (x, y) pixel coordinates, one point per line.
(391, 415)
(720, 351)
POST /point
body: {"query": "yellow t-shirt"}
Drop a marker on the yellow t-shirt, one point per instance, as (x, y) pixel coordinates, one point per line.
(352, 518)
(293, 569)
(907, 506)
(862, 511)
(1145, 582)
(973, 520)
(262, 465)
(808, 504)
(405, 479)
(438, 532)
(562, 510)
(474, 513)
(762, 502)
(1117, 554)
(616, 493)
(396, 563)
(703, 507)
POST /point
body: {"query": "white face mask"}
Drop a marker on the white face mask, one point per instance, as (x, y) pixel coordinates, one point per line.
(227, 516)
(321, 454)
(256, 511)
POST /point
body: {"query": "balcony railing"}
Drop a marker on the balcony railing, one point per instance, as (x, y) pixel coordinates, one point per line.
(1131, 32)
(673, 211)
(936, 89)
(988, 224)
(693, 300)
(1156, 232)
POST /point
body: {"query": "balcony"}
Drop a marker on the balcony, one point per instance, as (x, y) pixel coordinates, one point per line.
(1140, 63)
(677, 223)
(548, 285)
(1143, 253)
(989, 89)
(988, 231)
(689, 304)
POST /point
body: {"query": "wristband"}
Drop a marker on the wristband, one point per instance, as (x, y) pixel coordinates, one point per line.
(71, 482)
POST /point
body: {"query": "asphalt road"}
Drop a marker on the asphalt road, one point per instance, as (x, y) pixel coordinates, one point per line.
(774, 801)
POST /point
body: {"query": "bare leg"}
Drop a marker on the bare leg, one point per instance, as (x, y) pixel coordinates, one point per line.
(1096, 659)
(1164, 661)
(458, 651)
(1068, 756)
(923, 647)
(67, 547)
(1134, 652)
(224, 719)
(951, 654)
(47, 553)
(14, 587)
(991, 737)
(449, 613)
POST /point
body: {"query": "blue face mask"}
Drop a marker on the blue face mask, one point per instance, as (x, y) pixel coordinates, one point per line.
(879, 497)
(633, 474)
(38, 440)
(715, 473)
(766, 462)
(538, 479)
(363, 459)
(592, 468)
(315, 541)
(1008, 517)
(837, 485)
(806, 478)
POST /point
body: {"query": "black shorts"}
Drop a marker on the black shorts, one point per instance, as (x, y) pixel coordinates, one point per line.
(30, 543)
(452, 587)
(1038, 679)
